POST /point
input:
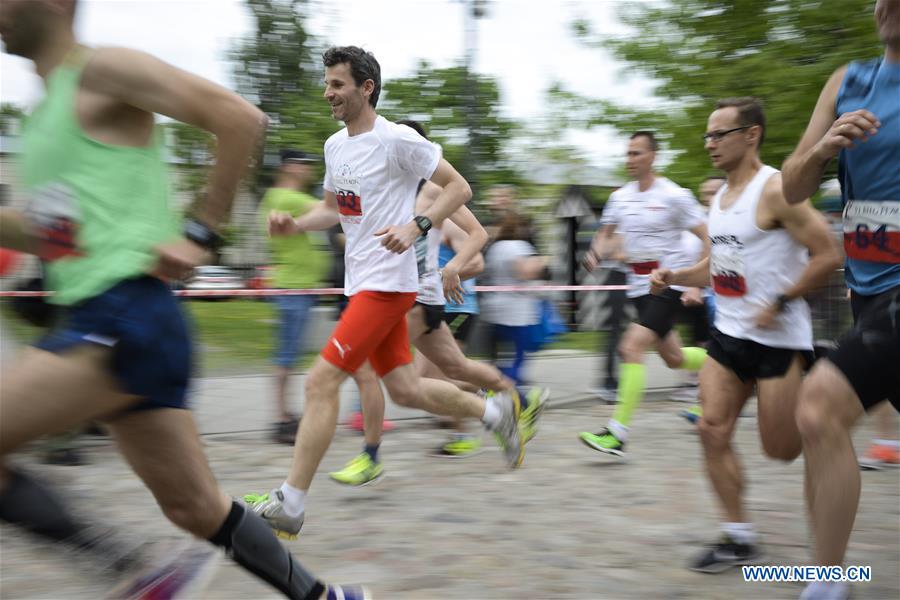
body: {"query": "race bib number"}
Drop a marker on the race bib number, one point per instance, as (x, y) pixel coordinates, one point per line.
(728, 274)
(872, 231)
(54, 219)
(349, 198)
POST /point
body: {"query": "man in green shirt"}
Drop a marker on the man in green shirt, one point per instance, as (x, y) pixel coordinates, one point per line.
(297, 263)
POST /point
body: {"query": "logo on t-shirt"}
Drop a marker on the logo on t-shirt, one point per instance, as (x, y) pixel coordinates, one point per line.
(54, 219)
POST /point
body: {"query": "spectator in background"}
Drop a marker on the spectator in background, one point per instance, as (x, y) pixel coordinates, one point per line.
(513, 260)
(297, 263)
(501, 199)
(616, 300)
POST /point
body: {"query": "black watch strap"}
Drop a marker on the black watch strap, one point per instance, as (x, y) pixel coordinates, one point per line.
(781, 301)
(202, 235)
(423, 223)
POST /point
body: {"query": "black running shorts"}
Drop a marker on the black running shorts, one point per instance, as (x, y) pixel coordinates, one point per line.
(460, 324)
(869, 355)
(434, 316)
(751, 360)
(659, 312)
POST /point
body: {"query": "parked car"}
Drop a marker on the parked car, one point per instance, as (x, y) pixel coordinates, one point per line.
(212, 278)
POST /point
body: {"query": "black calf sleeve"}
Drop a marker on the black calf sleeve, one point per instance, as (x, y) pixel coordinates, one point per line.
(28, 503)
(250, 542)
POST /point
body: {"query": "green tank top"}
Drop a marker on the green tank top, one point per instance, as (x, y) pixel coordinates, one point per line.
(97, 208)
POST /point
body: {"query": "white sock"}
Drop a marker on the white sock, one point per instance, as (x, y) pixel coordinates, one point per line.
(294, 500)
(492, 412)
(742, 533)
(826, 590)
(618, 430)
(887, 443)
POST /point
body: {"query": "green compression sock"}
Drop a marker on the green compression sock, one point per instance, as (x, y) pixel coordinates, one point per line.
(632, 377)
(693, 358)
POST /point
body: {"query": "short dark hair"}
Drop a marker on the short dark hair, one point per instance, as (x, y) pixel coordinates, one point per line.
(651, 138)
(362, 63)
(415, 126)
(750, 113)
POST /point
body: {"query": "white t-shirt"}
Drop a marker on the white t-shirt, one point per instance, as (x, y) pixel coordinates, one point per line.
(651, 223)
(513, 309)
(374, 176)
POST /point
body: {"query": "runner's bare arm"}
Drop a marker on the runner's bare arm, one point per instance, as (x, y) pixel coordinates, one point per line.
(696, 276)
(702, 232)
(455, 238)
(14, 232)
(823, 139)
(808, 227)
(602, 246)
(324, 215)
(145, 82)
(475, 239)
(455, 193)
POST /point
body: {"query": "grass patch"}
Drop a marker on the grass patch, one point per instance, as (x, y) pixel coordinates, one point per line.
(237, 337)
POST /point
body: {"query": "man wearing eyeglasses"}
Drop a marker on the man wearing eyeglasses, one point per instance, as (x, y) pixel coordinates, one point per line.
(650, 213)
(857, 120)
(765, 255)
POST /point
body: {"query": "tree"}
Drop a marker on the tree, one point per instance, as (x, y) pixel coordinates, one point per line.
(279, 68)
(437, 97)
(699, 51)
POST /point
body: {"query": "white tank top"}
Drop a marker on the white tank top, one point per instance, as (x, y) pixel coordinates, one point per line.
(431, 288)
(751, 267)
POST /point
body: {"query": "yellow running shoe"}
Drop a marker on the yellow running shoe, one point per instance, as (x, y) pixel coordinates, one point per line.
(360, 471)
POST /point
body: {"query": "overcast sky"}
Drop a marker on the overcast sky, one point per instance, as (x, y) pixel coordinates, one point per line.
(525, 44)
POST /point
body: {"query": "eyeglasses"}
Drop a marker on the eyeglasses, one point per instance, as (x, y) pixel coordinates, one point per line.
(716, 136)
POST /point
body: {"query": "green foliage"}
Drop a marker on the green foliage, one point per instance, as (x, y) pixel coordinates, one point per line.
(279, 68)
(467, 124)
(699, 51)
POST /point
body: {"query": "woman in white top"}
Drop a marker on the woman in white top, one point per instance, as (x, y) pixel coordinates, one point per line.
(513, 260)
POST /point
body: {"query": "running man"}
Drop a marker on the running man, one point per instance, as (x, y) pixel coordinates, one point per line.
(857, 120)
(372, 170)
(430, 334)
(650, 213)
(766, 255)
(92, 164)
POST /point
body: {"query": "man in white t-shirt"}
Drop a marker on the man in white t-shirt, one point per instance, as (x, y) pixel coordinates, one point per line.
(650, 214)
(372, 171)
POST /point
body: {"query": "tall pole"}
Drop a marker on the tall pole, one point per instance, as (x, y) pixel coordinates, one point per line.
(473, 10)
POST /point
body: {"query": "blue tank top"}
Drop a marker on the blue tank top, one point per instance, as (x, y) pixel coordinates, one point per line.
(470, 303)
(870, 178)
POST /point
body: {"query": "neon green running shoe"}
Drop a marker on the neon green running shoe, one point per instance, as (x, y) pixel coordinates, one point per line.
(459, 447)
(692, 414)
(360, 471)
(537, 402)
(603, 441)
(271, 508)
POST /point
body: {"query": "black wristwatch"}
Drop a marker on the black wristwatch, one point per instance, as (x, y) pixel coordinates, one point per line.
(423, 223)
(202, 235)
(781, 301)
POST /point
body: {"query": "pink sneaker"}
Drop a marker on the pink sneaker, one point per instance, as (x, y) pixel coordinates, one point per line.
(356, 423)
